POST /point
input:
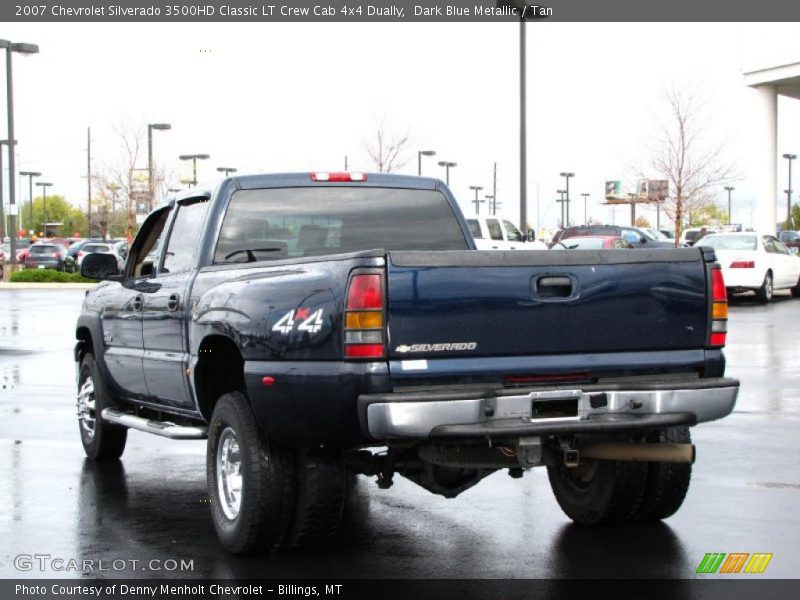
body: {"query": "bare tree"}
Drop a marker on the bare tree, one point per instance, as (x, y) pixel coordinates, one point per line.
(387, 150)
(692, 165)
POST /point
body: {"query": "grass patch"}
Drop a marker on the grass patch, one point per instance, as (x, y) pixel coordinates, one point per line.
(47, 276)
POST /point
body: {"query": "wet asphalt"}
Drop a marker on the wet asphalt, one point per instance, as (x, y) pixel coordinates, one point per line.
(744, 497)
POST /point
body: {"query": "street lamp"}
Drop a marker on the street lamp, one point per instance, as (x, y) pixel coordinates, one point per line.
(2, 208)
(492, 208)
(561, 200)
(477, 202)
(44, 185)
(194, 158)
(30, 175)
(447, 165)
(24, 49)
(585, 207)
(420, 154)
(790, 158)
(226, 170)
(729, 189)
(150, 187)
(566, 176)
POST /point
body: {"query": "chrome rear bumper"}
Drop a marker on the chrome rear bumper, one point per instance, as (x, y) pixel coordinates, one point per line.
(590, 410)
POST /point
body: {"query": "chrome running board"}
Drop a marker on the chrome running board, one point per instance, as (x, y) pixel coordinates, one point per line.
(162, 428)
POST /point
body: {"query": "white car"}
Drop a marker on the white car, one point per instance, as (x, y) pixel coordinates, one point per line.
(690, 235)
(755, 262)
(101, 247)
(491, 233)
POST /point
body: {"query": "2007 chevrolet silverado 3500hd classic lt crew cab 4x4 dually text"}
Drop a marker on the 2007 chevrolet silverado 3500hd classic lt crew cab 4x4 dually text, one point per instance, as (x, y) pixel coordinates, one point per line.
(315, 326)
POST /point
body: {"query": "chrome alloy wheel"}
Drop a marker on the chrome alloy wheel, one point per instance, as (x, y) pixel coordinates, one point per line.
(86, 408)
(229, 473)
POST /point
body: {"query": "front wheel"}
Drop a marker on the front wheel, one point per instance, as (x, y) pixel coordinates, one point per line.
(101, 440)
(796, 289)
(250, 480)
(764, 293)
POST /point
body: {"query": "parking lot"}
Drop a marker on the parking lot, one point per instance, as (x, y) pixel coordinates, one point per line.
(153, 505)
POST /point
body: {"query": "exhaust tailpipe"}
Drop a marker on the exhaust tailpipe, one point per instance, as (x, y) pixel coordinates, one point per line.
(677, 453)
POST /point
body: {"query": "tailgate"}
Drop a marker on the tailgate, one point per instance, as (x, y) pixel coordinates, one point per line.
(476, 303)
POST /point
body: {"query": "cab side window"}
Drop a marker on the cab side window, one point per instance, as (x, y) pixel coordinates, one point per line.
(495, 232)
(145, 252)
(184, 237)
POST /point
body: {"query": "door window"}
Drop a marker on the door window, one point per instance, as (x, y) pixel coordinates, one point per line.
(145, 251)
(475, 228)
(495, 232)
(184, 237)
(512, 233)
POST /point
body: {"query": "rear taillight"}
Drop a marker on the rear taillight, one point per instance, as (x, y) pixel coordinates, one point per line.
(338, 177)
(719, 309)
(743, 264)
(364, 334)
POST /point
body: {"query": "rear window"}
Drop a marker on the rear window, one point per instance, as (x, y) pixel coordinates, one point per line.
(475, 228)
(96, 248)
(43, 249)
(280, 223)
(730, 242)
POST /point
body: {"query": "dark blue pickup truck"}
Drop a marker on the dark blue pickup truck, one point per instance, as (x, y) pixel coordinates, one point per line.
(316, 326)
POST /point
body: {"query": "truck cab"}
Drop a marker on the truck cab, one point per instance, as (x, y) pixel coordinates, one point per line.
(493, 233)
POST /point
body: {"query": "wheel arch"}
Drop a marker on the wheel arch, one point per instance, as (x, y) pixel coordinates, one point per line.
(219, 370)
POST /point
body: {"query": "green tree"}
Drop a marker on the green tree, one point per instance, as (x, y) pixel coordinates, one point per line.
(709, 213)
(58, 210)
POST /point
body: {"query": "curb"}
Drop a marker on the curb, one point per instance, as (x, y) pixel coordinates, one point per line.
(7, 285)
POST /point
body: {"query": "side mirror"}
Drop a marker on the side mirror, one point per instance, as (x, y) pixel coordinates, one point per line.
(531, 237)
(794, 249)
(643, 239)
(99, 266)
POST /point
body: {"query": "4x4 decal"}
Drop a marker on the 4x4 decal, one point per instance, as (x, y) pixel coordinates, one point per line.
(310, 322)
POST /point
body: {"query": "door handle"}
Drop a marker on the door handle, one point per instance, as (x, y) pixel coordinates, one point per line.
(138, 302)
(173, 302)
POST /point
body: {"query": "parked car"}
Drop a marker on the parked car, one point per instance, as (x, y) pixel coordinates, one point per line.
(690, 235)
(658, 235)
(592, 242)
(310, 330)
(790, 238)
(634, 235)
(755, 263)
(44, 255)
(122, 248)
(101, 247)
(493, 233)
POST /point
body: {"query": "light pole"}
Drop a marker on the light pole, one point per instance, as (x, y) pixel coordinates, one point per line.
(790, 158)
(585, 207)
(420, 154)
(492, 207)
(24, 49)
(44, 185)
(561, 200)
(447, 166)
(2, 208)
(30, 175)
(150, 187)
(194, 158)
(226, 170)
(567, 175)
(729, 189)
(477, 202)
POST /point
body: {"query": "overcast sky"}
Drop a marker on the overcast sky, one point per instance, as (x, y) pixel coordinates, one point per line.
(296, 97)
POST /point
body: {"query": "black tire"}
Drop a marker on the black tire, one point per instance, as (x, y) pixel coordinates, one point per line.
(599, 491)
(266, 493)
(765, 292)
(320, 500)
(667, 483)
(796, 290)
(101, 440)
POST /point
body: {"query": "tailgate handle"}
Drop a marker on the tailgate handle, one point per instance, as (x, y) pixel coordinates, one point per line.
(554, 287)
